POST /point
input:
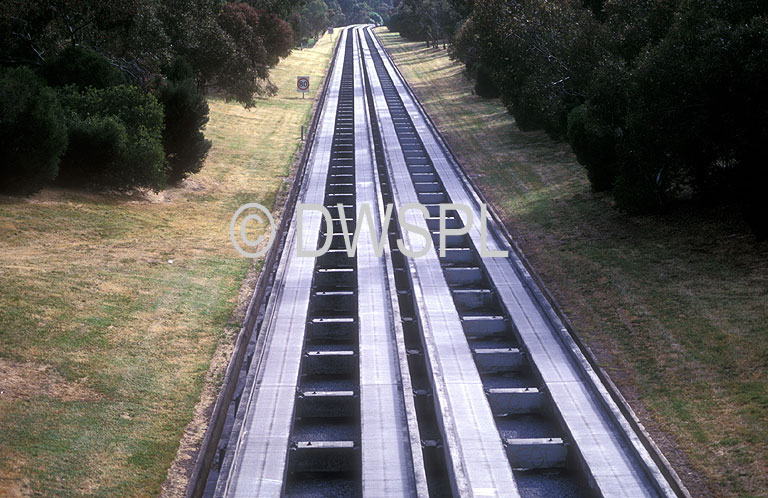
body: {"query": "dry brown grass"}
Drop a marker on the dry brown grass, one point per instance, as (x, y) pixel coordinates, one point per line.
(112, 305)
(26, 381)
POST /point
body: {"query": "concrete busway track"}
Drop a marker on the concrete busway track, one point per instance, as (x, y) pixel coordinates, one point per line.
(325, 413)
(598, 452)
(387, 375)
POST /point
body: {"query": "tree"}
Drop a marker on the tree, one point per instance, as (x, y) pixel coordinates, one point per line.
(115, 138)
(81, 67)
(186, 114)
(280, 8)
(259, 40)
(540, 54)
(315, 17)
(661, 100)
(432, 20)
(98, 46)
(32, 132)
(696, 109)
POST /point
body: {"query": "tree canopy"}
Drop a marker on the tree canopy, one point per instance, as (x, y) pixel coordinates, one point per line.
(100, 67)
(230, 46)
(661, 100)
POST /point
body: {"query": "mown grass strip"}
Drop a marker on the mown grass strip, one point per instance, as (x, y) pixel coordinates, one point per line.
(675, 307)
(112, 306)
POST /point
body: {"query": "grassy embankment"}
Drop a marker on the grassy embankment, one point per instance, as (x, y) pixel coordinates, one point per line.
(111, 307)
(674, 307)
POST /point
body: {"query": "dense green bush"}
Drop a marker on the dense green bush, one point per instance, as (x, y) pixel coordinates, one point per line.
(404, 23)
(179, 69)
(637, 190)
(81, 67)
(434, 20)
(541, 56)
(696, 107)
(661, 100)
(133, 107)
(126, 125)
(79, 46)
(595, 148)
(32, 131)
(484, 83)
(186, 114)
(376, 18)
(751, 47)
(527, 117)
(465, 47)
(97, 145)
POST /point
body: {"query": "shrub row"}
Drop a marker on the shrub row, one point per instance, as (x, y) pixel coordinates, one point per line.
(661, 100)
(115, 138)
(78, 122)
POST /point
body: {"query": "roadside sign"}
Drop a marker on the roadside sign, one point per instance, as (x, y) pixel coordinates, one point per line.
(302, 84)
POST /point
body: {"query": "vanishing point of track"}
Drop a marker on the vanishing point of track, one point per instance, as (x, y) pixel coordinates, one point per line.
(388, 375)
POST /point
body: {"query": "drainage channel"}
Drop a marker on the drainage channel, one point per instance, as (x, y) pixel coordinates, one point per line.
(431, 439)
(525, 417)
(324, 455)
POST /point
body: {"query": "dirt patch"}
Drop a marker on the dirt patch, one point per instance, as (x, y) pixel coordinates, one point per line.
(26, 380)
(13, 485)
(56, 194)
(176, 192)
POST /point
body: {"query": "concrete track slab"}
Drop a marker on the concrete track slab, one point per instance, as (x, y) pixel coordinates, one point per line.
(260, 454)
(617, 461)
(475, 450)
(386, 450)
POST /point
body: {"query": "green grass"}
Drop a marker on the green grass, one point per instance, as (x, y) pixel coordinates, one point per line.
(105, 344)
(675, 307)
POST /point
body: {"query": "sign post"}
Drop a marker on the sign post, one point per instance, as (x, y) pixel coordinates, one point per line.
(302, 84)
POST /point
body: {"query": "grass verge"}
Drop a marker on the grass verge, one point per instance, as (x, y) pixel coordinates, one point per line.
(112, 306)
(674, 307)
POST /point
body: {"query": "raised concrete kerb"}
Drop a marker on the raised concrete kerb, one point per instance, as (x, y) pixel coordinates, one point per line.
(474, 449)
(417, 457)
(593, 421)
(259, 456)
(387, 464)
(278, 266)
